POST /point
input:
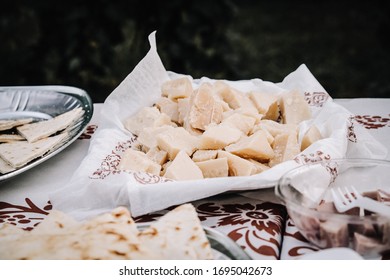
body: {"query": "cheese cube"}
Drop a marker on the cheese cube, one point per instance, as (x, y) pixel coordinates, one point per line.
(183, 106)
(234, 98)
(202, 155)
(225, 106)
(237, 165)
(146, 117)
(266, 104)
(138, 161)
(191, 130)
(214, 167)
(204, 109)
(183, 168)
(147, 136)
(247, 111)
(175, 140)
(184, 110)
(218, 137)
(258, 167)
(168, 107)
(241, 122)
(270, 138)
(255, 146)
(286, 147)
(164, 167)
(311, 136)
(294, 108)
(158, 156)
(274, 128)
(178, 88)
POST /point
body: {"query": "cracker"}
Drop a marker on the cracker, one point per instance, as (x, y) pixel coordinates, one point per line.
(39, 130)
(6, 138)
(8, 124)
(5, 167)
(20, 153)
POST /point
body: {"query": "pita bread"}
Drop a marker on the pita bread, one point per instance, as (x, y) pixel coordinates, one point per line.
(56, 222)
(6, 138)
(5, 167)
(61, 237)
(20, 153)
(39, 130)
(8, 229)
(109, 236)
(8, 124)
(46, 246)
(178, 235)
(112, 236)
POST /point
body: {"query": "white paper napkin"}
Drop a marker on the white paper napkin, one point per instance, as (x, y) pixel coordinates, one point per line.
(97, 185)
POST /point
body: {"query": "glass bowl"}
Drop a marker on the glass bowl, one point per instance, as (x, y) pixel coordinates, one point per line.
(305, 191)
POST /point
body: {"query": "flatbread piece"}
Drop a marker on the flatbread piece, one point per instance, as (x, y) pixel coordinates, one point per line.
(5, 167)
(20, 153)
(114, 235)
(39, 130)
(178, 235)
(6, 138)
(8, 124)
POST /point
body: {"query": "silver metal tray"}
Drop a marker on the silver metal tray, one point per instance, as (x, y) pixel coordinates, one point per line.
(40, 103)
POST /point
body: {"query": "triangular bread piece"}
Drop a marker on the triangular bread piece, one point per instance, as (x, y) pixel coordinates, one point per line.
(39, 130)
(114, 235)
(5, 138)
(5, 167)
(8, 124)
(178, 235)
(20, 153)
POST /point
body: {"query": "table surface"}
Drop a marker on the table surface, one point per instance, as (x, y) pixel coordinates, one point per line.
(258, 223)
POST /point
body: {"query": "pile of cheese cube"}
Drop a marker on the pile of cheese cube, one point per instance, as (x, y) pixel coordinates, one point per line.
(216, 131)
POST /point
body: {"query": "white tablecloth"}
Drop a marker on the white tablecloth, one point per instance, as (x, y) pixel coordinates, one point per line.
(260, 226)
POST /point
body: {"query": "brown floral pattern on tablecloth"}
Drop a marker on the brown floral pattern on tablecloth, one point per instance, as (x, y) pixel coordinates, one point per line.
(88, 132)
(373, 122)
(294, 243)
(24, 216)
(256, 226)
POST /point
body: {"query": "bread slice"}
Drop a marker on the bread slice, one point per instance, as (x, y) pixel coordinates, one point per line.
(8, 124)
(6, 138)
(114, 235)
(20, 153)
(177, 235)
(5, 167)
(39, 130)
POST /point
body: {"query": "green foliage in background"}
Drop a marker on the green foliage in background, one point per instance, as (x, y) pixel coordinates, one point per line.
(95, 44)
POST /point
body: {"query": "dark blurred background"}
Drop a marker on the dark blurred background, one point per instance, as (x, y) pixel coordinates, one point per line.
(95, 44)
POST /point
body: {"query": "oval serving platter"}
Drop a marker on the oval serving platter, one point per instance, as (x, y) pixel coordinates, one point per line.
(43, 103)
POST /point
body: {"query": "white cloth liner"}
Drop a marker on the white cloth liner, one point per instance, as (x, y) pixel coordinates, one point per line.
(85, 196)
